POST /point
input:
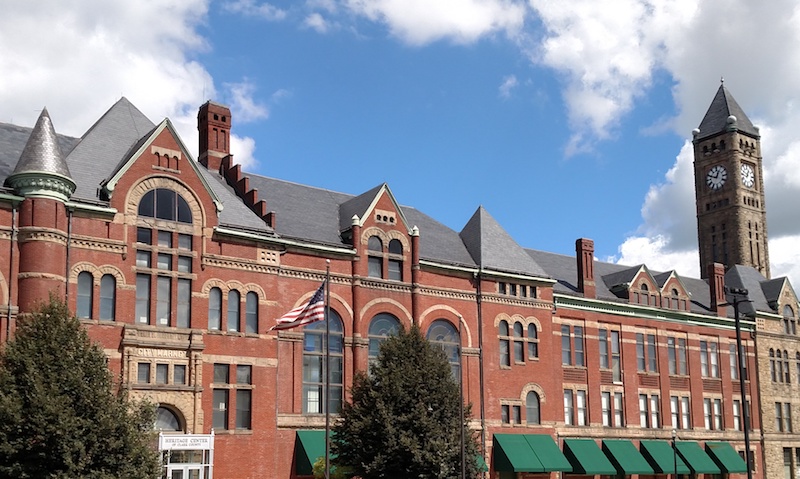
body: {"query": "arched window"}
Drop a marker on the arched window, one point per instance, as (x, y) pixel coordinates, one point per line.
(375, 258)
(532, 408)
(789, 322)
(519, 343)
(505, 344)
(382, 326)
(165, 204)
(167, 421)
(395, 260)
(445, 335)
(233, 310)
(314, 365)
(251, 313)
(533, 341)
(164, 259)
(773, 366)
(215, 309)
(85, 286)
(108, 292)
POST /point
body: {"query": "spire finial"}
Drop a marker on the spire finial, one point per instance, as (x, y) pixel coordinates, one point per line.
(721, 80)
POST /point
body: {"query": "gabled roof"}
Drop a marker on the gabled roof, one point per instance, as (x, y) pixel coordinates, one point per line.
(493, 248)
(363, 205)
(564, 270)
(315, 215)
(747, 277)
(105, 145)
(716, 119)
(140, 147)
(623, 278)
(663, 278)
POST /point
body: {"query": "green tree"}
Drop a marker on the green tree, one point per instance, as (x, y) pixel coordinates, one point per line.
(60, 416)
(405, 419)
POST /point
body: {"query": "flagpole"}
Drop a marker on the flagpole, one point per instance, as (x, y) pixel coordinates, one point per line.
(461, 396)
(327, 370)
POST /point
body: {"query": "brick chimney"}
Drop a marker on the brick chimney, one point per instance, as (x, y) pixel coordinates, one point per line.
(716, 287)
(584, 255)
(214, 125)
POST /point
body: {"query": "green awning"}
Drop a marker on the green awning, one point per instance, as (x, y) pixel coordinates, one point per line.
(662, 457)
(625, 457)
(698, 461)
(528, 453)
(481, 463)
(309, 446)
(726, 457)
(586, 458)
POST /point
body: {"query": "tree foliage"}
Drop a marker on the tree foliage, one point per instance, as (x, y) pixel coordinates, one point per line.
(405, 418)
(60, 416)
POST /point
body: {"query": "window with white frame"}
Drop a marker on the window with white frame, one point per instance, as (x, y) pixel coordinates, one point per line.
(649, 415)
(572, 346)
(646, 358)
(679, 412)
(609, 343)
(709, 359)
(676, 352)
(611, 408)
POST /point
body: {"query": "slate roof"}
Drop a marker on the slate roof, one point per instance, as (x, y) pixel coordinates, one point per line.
(319, 216)
(42, 152)
(107, 143)
(493, 248)
(564, 270)
(12, 141)
(716, 119)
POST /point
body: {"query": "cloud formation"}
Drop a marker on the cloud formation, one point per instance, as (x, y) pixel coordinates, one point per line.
(418, 22)
(96, 52)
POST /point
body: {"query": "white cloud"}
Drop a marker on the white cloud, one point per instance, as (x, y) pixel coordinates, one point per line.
(252, 8)
(509, 83)
(418, 22)
(607, 53)
(97, 51)
(244, 107)
(316, 22)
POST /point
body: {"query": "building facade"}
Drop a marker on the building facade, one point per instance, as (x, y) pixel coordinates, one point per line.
(178, 268)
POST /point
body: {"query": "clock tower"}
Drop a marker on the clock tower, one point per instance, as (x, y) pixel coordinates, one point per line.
(729, 188)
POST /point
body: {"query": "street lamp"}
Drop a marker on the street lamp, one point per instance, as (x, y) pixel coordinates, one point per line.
(674, 455)
(736, 293)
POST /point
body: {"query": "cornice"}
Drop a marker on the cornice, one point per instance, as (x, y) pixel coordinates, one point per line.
(40, 184)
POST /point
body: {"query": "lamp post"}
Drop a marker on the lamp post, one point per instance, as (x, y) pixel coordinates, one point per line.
(674, 455)
(736, 293)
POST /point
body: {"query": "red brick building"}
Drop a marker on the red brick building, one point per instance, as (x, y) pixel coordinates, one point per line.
(179, 268)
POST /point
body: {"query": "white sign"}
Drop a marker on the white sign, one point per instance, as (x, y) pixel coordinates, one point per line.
(169, 442)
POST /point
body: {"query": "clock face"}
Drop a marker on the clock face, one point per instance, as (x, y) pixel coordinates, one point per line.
(716, 177)
(748, 176)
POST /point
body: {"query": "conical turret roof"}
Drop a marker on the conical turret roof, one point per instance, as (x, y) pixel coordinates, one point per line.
(41, 170)
(42, 153)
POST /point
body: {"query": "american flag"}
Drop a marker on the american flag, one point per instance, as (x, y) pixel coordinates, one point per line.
(306, 313)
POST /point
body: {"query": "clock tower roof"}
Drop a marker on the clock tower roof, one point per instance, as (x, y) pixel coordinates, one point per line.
(718, 117)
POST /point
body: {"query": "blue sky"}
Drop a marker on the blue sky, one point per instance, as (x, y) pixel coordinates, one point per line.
(563, 119)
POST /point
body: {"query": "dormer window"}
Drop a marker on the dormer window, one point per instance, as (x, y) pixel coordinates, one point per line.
(395, 260)
(789, 322)
(375, 247)
(393, 257)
